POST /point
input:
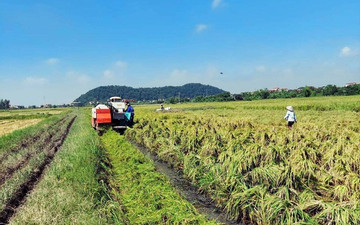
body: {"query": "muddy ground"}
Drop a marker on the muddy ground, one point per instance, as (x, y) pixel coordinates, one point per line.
(202, 202)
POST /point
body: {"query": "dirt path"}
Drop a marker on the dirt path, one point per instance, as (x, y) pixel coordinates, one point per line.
(20, 195)
(202, 202)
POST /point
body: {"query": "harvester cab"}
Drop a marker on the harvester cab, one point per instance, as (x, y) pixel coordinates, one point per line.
(117, 104)
(110, 114)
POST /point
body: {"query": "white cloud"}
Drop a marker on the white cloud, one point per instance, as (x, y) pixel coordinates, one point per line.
(115, 73)
(108, 74)
(80, 78)
(200, 28)
(215, 3)
(260, 68)
(52, 61)
(347, 51)
(35, 81)
(121, 64)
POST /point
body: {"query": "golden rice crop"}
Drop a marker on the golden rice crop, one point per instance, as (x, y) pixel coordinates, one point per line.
(257, 169)
(8, 126)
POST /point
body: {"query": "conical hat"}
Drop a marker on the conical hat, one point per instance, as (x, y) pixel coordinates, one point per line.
(290, 108)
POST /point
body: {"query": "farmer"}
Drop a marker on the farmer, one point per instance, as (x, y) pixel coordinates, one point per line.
(130, 110)
(290, 116)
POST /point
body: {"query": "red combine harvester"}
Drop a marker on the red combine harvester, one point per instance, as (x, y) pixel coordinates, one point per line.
(112, 114)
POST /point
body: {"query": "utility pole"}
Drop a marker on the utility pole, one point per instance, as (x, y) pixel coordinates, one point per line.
(179, 97)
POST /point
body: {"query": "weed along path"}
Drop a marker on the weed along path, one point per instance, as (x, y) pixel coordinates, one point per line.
(24, 166)
(201, 201)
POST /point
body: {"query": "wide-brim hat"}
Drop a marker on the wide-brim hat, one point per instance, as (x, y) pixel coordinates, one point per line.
(290, 108)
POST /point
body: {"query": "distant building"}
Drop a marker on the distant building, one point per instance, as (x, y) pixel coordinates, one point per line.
(277, 89)
(350, 84)
(90, 103)
(75, 104)
(274, 89)
(17, 107)
(130, 100)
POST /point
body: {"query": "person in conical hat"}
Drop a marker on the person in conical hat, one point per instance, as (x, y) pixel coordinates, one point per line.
(290, 116)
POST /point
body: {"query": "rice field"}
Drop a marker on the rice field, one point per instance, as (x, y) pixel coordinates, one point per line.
(9, 126)
(11, 120)
(254, 167)
(22, 112)
(240, 155)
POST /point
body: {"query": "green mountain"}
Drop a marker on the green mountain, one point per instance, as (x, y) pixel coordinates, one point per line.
(102, 93)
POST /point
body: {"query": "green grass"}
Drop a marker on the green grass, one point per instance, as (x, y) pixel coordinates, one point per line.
(145, 195)
(24, 117)
(37, 111)
(37, 154)
(71, 190)
(14, 138)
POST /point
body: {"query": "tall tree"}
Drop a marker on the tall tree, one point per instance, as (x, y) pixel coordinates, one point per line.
(4, 104)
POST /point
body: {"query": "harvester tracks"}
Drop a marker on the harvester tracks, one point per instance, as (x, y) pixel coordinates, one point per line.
(36, 175)
(201, 201)
(25, 143)
(35, 148)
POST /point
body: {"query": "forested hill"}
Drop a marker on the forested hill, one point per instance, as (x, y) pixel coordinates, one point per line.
(191, 90)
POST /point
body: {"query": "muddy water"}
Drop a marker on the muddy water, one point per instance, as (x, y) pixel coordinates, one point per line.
(202, 203)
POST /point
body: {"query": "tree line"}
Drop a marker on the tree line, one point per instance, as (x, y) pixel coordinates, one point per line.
(308, 91)
(4, 104)
(187, 91)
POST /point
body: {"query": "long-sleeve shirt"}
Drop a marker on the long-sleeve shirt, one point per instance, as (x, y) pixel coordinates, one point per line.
(290, 116)
(130, 109)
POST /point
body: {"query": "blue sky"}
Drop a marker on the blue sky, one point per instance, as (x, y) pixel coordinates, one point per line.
(54, 51)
